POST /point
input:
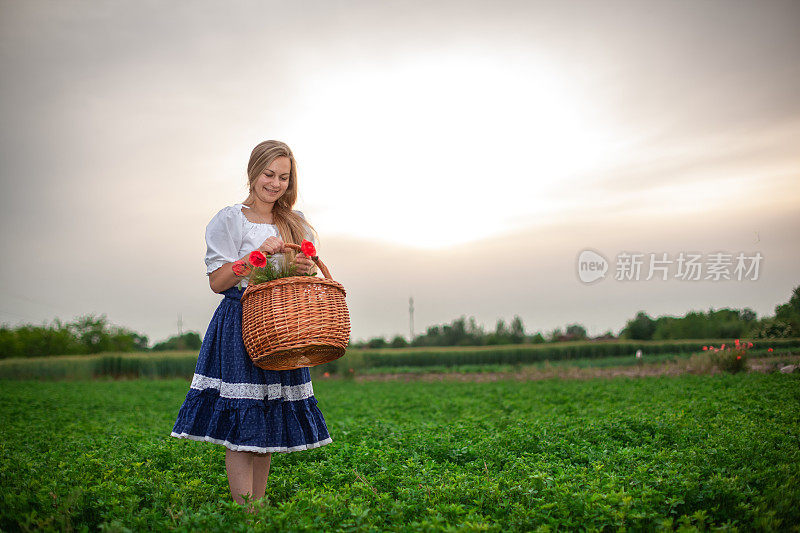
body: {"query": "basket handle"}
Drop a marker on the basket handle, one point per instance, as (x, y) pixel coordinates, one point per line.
(316, 259)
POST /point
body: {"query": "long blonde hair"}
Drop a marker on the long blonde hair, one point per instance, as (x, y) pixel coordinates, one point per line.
(292, 227)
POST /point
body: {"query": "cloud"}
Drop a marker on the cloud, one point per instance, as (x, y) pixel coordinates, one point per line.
(126, 126)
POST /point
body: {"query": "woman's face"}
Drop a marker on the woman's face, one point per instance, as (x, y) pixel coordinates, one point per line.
(274, 181)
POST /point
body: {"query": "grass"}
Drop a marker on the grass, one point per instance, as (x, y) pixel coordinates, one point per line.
(694, 452)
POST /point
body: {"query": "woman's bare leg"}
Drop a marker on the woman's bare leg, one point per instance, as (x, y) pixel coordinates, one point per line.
(240, 473)
(261, 464)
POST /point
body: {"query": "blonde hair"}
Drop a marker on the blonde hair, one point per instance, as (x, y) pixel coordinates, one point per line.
(292, 227)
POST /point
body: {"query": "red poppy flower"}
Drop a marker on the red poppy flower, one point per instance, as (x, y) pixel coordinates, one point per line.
(240, 268)
(307, 247)
(257, 258)
(738, 357)
(737, 342)
(769, 349)
(749, 344)
(705, 348)
(722, 347)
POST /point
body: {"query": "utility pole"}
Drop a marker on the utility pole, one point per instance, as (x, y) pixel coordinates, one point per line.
(180, 324)
(411, 317)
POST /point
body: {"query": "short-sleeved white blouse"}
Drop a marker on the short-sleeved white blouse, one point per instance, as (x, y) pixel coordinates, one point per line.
(230, 235)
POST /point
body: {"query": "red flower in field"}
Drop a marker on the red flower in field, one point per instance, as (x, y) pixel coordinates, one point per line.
(723, 347)
(257, 259)
(240, 268)
(738, 357)
(327, 374)
(737, 342)
(351, 370)
(749, 344)
(307, 247)
(769, 349)
(705, 348)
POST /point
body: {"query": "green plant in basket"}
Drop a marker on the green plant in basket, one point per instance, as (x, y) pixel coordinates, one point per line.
(732, 359)
(257, 269)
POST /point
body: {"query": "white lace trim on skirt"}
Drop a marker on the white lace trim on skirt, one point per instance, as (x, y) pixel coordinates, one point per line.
(253, 391)
(258, 449)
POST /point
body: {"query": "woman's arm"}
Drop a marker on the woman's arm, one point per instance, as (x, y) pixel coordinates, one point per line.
(223, 278)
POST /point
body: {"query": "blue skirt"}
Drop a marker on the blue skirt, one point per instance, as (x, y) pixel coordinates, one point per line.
(245, 408)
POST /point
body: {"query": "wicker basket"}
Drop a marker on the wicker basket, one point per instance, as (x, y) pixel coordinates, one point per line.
(295, 322)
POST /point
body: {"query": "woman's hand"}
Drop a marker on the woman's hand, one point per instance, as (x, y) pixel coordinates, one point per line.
(273, 245)
(303, 263)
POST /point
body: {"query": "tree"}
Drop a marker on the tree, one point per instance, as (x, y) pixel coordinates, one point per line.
(97, 335)
(188, 341)
(577, 331)
(555, 334)
(398, 342)
(376, 342)
(475, 334)
(501, 335)
(90, 332)
(640, 328)
(538, 338)
(789, 313)
(458, 333)
(455, 333)
(517, 330)
(748, 315)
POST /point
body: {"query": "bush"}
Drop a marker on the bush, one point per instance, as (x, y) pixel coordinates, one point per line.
(773, 328)
(731, 359)
(188, 341)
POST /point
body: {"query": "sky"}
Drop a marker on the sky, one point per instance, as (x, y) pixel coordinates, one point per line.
(460, 153)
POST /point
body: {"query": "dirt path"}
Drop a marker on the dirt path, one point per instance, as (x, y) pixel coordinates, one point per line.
(762, 364)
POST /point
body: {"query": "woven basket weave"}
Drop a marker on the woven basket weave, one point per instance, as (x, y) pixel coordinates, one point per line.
(295, 322)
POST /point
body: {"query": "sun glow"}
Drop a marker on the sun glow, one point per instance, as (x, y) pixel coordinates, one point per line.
(444, 152)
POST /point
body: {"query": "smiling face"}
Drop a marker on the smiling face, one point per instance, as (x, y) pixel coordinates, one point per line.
(274, 181)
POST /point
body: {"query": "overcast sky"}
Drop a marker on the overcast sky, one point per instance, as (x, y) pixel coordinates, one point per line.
(463, 153)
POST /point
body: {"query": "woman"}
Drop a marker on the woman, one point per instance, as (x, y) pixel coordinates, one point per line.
(251, 411)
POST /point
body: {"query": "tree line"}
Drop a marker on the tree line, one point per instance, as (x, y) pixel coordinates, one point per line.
(91, 334)
(714, 324)
(87, 334)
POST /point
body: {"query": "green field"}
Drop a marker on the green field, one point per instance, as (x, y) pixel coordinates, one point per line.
(668, 453)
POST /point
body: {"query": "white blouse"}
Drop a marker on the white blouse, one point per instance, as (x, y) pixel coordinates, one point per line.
(229, 236)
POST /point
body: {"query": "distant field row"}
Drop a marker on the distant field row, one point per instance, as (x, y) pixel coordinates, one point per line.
(534, 353)
(607, 362)
(463, 359)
